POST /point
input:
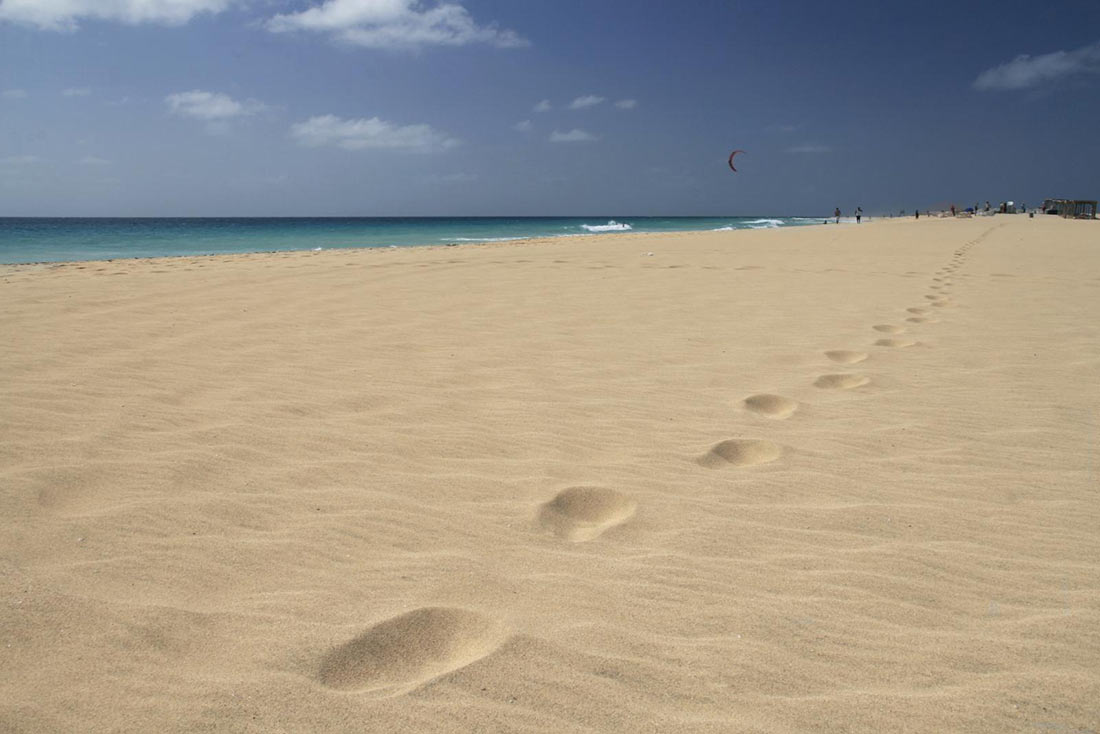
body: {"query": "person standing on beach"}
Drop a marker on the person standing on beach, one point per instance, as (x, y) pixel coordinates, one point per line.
(917, 212)
(836, 215)
(859, 213)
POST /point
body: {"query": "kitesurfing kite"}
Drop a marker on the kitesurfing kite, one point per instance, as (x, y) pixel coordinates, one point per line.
(731, 159)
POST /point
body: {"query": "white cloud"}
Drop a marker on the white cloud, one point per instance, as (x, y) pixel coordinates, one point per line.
(62, 15)
(543, 106)
(1028, 71)
(76, 92)
(524, 126)
(372, 133)
(210, 106)
(626, 104)
(13, 94)
(395, 24)
(573, 136)
(91, 160)
(19, 160)
(810, 148)
(588, 100)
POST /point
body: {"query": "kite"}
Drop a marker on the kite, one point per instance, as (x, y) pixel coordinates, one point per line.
(731, 159)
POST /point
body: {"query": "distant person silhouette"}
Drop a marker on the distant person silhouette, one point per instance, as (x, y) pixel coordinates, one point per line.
(836, 215)
(859, 213)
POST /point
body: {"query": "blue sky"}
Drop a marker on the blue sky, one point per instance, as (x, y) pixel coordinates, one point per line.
(407, 107)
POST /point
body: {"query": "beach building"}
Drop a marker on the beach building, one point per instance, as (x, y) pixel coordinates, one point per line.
(1070, 208)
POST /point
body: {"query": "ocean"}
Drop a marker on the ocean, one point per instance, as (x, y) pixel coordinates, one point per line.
(25, 240)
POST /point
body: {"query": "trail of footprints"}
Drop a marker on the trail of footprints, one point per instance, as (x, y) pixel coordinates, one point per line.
(403, 653)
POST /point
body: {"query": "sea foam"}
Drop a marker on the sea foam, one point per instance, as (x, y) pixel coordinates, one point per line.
(611, 226)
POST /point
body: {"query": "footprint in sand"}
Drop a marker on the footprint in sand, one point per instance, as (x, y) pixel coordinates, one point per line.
(922, 320)
(740, 452)
(583, 513)
(841, 382)
(941, 303)
(845, 356)
(405, 652)
(917, 310)
(772, 406)
(888, 329)
(894, 343)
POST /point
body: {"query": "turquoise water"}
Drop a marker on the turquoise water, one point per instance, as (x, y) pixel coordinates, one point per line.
(24, 240)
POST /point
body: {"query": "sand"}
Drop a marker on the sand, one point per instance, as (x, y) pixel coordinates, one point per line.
(830, 479)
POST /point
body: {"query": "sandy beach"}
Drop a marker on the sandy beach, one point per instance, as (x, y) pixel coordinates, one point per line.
(829, 479)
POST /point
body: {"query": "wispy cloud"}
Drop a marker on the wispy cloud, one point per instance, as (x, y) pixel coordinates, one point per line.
(91, 160)
(543, 106)
(19, 160)
(626, 104)
(63, 15)
(810, 148)
(1028, 71)
(76, 92)
(372, 133)
(13, 94)
(588, 100)
(573, 136)
(209, 106)
(395, 24)
(524, 126)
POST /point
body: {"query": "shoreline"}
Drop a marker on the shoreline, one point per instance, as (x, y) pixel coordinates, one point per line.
(390, 248)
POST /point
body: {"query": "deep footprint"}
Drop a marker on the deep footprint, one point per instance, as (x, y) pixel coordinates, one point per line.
(740, 452)
(405, 652)
(846, 357)
(894, 343)
(583, 513)
(841, 382)
(888, 328)
(772, 406)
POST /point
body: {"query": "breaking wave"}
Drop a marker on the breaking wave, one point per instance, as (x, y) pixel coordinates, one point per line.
(611, 226)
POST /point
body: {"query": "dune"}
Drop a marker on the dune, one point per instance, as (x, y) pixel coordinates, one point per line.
(560, 485)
